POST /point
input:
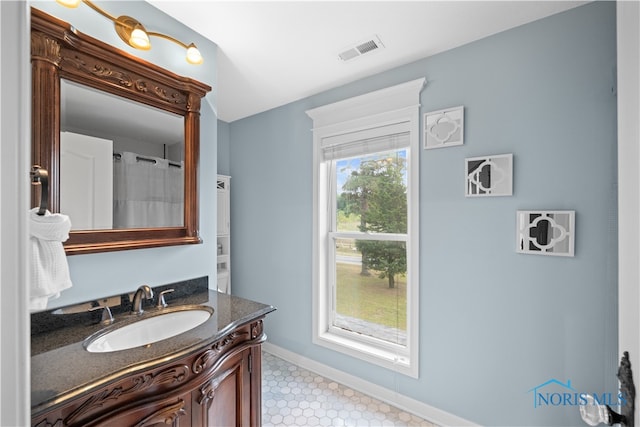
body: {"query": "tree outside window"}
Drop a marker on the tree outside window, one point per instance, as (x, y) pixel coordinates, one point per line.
(377, 192)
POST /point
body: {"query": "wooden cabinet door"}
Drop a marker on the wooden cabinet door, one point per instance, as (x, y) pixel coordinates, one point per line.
(172, 411)
(225, 400)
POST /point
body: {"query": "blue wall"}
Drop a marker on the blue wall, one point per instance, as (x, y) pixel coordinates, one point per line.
(493, 323)
(99, 275)
(223, 148)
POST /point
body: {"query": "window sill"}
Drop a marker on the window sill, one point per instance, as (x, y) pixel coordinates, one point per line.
(368, 352)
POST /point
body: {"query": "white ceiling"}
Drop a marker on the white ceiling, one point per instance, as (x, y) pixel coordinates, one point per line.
(276, 52)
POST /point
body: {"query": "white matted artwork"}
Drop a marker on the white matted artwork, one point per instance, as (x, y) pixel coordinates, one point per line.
(444, 128)
(489, 176)
(546, 232)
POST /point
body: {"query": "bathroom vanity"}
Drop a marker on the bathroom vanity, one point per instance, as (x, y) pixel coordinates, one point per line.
(209, 375)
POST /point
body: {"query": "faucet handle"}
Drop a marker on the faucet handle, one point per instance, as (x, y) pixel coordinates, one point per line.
(161, 302)
(107, 317)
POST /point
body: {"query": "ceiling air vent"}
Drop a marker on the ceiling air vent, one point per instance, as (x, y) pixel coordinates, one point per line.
(370, 45)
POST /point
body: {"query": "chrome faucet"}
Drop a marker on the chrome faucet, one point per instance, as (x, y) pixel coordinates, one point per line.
(143, 291)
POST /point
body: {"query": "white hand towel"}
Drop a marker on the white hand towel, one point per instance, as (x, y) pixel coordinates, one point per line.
(49, 268)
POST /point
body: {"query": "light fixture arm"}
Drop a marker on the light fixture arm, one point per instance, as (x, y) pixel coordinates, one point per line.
(100, 10)
(166, 37)
(133, 33)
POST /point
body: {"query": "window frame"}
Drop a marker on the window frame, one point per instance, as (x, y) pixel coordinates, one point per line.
(363, 115)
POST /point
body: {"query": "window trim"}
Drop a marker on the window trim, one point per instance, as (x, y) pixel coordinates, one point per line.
(392, 105)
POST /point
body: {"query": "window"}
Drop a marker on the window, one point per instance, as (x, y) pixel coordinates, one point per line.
(366, 226)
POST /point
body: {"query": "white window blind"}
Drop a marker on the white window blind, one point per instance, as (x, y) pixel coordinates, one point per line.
(369, 141)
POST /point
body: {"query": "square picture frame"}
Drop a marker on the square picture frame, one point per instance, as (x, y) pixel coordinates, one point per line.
(444, 128)
(546, 232)
(489, 176)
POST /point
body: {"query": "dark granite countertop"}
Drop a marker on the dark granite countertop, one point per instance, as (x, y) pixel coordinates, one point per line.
(61, 367)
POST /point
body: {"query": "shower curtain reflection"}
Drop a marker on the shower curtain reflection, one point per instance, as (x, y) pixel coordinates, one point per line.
(147, 191)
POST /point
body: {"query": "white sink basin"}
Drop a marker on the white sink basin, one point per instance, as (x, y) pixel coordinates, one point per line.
(148, 330)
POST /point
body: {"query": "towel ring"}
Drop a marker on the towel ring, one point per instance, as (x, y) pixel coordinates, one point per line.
(40, 176)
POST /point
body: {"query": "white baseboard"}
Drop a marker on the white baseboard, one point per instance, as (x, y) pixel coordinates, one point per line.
(398, 400)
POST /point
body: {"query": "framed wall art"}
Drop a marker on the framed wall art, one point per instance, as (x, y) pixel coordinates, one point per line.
(489, 176)
(444, 128)
(546, 232)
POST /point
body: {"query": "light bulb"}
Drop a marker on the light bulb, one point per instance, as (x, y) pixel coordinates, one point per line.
(140, 39)
(193, 55)
(69, 3)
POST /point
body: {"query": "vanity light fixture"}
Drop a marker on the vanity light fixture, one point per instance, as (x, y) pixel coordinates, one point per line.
(133, 33)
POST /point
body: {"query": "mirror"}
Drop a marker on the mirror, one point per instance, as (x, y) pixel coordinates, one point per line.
(77, 81)
(546, 232)
(121, 165)
(489, 176)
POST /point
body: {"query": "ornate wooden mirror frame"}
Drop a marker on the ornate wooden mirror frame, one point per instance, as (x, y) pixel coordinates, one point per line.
(58, 51)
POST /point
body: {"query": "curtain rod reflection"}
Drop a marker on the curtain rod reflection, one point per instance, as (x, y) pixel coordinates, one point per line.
(118, 156)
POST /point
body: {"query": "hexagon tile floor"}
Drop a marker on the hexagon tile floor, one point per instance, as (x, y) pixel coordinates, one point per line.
(292, 396)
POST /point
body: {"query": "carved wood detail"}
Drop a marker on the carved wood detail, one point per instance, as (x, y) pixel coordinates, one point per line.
(45, 48)
(88, 67)
(169, 377)
(228, 341)
(46, 423)
(193, 103)
(210, 355)
(167, 415)
(256, 329)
